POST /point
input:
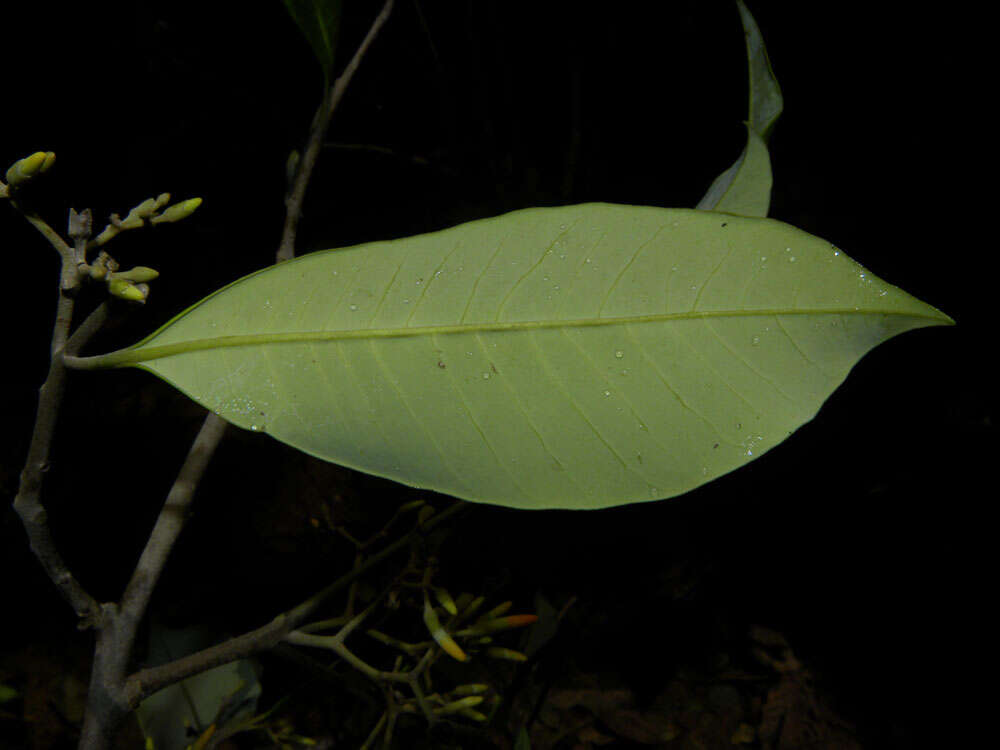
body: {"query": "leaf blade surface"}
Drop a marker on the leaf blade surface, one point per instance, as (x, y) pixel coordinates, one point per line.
(579, 357)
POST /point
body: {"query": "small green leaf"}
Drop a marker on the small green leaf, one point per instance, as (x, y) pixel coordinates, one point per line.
(573, 357)
(766, 100)
(523, 742)
(319, 21)
(745, 188)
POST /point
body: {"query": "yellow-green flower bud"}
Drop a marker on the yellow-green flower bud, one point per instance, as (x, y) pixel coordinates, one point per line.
(139, 273)
(445, 600)
(484, 626)
(474, 688)
(125, 289)
(455, 706)
(130, 222)
(144, 210)
(472, 607)
(162, 199)
(177, 211)
(498, 610)
(505, 653)
(24, 169)
(439, 634)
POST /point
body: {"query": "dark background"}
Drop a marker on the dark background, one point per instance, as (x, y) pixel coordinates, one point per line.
(863, 539)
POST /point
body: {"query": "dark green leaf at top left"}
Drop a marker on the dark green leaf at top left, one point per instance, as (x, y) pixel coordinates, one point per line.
(319, 21)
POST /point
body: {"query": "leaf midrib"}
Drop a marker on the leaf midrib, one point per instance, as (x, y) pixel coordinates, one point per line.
(145, 353)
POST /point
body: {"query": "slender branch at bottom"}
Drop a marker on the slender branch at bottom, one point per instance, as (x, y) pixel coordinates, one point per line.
(147, 681)
(27, 502)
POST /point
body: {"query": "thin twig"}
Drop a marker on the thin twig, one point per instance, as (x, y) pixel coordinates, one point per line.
(331, 643)
(319, 127)
(61, 246)
(28, 505)
(414, 681)
(370, 742)
(390, 724)
(87, 329)
(171, 519)
(147, 681)
(27, 502)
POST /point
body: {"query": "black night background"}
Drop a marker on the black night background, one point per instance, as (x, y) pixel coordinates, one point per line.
(861, 540)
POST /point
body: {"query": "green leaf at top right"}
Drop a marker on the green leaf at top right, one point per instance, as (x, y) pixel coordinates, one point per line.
(745, 188)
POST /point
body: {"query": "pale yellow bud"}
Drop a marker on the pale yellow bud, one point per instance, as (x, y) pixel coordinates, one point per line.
(460, 704)
(470, 689)
(139, 274)
(505, 653)
(24, 169)
(177, 211)
(145, 209)
(445, 600)
(125, 289)
(439, 634)
(130, 222)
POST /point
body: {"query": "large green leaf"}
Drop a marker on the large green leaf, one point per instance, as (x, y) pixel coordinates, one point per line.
(575, 357)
